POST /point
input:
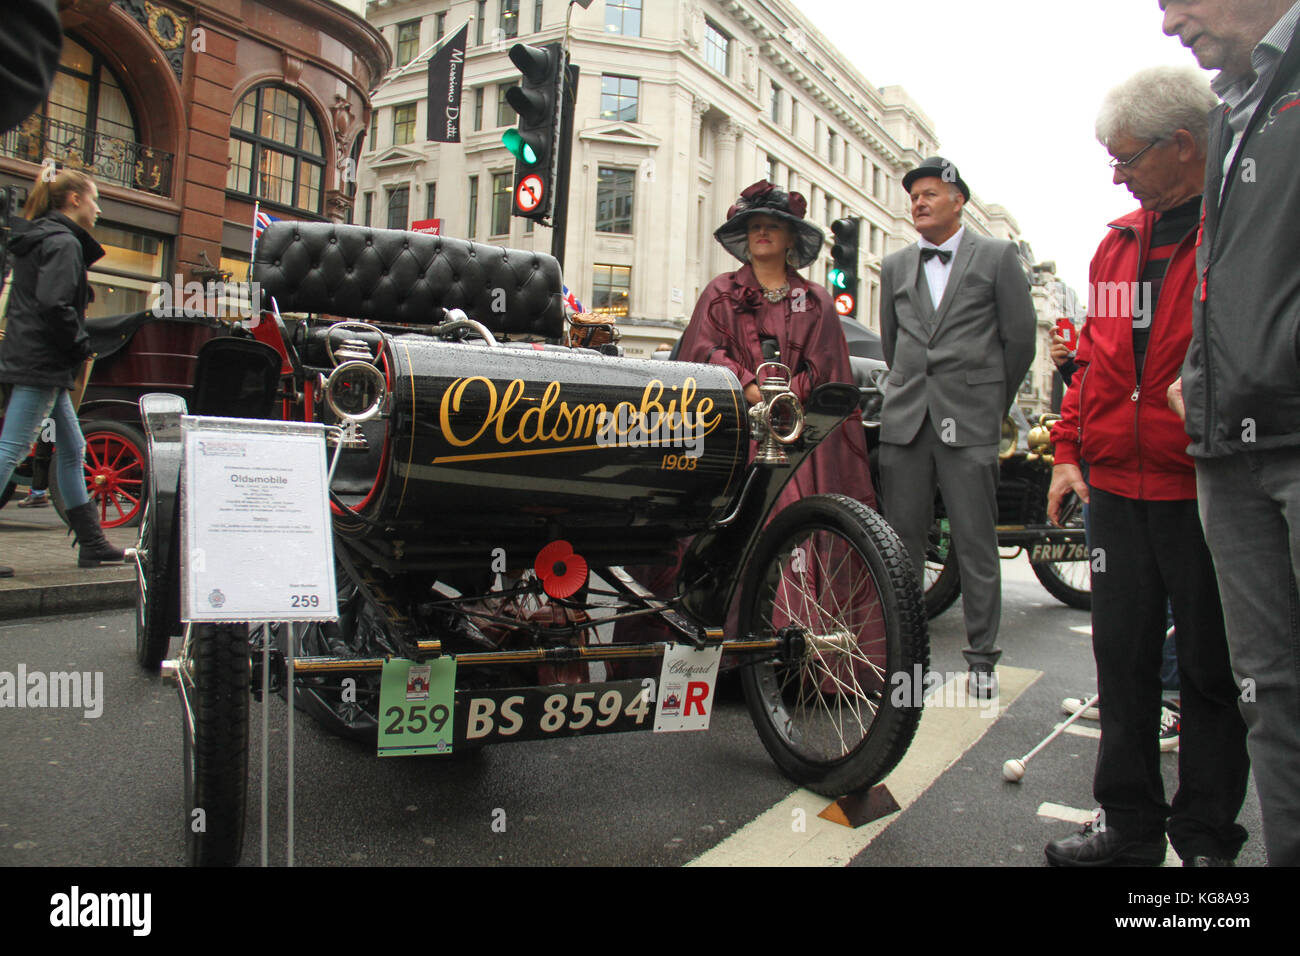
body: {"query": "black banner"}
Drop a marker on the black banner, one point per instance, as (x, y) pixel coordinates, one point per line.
(446, 71)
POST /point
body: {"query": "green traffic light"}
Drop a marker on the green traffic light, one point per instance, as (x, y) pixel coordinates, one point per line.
(837, 279)
(518, 147)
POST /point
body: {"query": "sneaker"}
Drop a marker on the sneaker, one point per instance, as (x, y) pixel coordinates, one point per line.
(35, 500)
(1171, 723)
(1072, 705)
(1108, 847)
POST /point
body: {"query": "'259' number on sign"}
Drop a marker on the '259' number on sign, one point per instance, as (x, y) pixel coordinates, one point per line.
(304, 600)
(417, 717)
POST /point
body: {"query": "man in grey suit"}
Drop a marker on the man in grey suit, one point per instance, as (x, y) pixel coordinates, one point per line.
(958, 327)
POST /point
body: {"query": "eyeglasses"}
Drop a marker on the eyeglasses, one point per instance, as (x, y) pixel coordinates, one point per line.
(1132, 160)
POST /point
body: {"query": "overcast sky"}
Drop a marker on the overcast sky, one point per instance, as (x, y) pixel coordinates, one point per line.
(1013, 87)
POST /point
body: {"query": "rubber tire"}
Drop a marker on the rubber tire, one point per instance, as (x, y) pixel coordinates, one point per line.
(126, 432)
(942, 592)
(152, 630)
(216, 745)
(1051, 576)
(875, 543)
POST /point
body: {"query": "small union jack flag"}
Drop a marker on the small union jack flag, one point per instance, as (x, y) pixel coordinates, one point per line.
(260, 221)
(571, 300)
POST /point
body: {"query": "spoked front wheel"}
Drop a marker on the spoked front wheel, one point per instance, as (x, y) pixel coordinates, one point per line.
(214, 683)
(833, 577)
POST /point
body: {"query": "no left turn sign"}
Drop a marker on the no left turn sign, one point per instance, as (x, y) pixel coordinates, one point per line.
(529, 195)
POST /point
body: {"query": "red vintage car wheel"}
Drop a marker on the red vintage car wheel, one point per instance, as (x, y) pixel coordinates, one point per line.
(115, 473)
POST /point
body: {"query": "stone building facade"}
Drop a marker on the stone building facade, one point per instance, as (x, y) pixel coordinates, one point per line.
(680, 105)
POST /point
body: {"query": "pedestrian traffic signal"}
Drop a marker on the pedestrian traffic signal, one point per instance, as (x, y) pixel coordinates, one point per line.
(538, 100)
(843, 277)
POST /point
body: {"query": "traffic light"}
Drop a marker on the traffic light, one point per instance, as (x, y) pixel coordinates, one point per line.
(539, 101)
(843, 277)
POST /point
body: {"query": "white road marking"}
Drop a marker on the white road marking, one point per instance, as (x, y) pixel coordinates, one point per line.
(1082, 629)
(945, 733)
(1058, 811)
(1093, 732)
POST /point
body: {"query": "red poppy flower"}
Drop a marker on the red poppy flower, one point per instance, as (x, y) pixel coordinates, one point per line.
(562, 571)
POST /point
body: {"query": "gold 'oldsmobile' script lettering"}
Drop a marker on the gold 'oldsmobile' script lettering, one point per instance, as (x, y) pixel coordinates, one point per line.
(476, 414)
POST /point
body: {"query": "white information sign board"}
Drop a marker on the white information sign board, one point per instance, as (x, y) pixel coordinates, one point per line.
(256, 542)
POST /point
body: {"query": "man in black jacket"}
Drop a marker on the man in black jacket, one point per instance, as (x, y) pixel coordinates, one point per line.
(1241, 379)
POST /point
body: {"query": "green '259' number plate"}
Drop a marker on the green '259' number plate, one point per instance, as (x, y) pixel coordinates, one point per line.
(415, 707)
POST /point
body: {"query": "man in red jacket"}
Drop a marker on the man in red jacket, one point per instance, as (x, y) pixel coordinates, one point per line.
(1146, 536)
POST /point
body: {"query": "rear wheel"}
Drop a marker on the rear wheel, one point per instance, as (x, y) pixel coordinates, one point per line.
(115, 473)
(1070, 582)
(942, 579)
(214, 681)
(835, 574)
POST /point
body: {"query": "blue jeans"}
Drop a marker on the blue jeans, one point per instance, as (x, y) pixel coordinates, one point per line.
(1250, 506)
(29, 405)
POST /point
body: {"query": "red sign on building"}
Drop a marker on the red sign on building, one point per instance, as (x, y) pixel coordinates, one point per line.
(432, 227)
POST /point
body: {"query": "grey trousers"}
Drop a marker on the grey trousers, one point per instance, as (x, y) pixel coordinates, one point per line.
(967, 477)
(1250, 508)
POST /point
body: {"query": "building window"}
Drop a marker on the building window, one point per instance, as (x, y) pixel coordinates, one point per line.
(614, 192)
(439, 24)
(430, 200)
(373, 138)
(611, 289)
(776, 104)
(403, 124)
(618, 96)
(480, 17)
(472, 224)
(408, 41)
(830, 214)
(537, 26)
(817, 134)
(502, 187)
(87, 122)
(771, 169)
(877, 181)
(510, 18)
(478, 108)
(276, 151)
(370, 209)
(132, 266)
(831, 142)
(717, 49)
(399, 207)
(623, 17)
(794, 116)
(505, 112)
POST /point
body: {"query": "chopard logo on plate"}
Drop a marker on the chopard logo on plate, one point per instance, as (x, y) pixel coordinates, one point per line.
(476, 415)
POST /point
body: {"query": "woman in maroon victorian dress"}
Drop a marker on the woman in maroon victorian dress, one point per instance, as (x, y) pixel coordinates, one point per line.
(766, 302)
(766, 311)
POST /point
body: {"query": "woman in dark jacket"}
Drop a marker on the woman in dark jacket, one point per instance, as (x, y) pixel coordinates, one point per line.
(45, 342)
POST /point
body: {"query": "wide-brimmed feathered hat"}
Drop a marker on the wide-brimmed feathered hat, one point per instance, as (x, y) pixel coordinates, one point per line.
(763, 198)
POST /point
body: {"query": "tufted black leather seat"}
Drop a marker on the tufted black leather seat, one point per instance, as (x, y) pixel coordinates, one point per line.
(387, 275)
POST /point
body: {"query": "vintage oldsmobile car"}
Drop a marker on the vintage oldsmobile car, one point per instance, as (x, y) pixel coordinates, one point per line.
(491, 485)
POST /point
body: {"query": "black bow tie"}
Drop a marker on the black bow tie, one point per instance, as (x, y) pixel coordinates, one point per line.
(928, 253)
